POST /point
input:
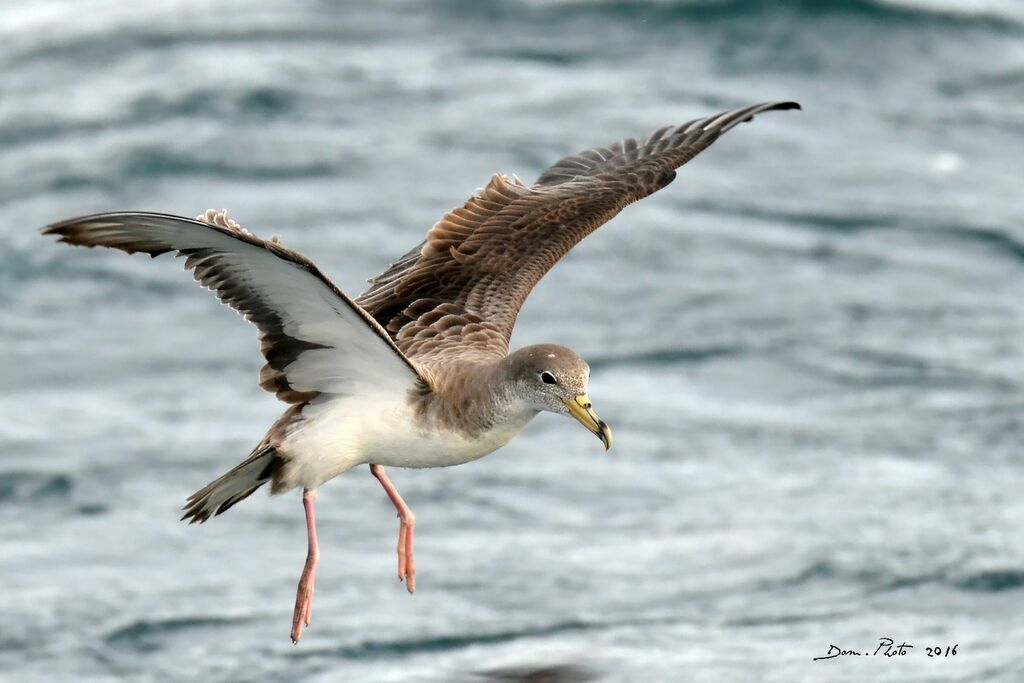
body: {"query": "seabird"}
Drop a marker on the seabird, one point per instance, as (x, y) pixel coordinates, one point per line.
(416, 371)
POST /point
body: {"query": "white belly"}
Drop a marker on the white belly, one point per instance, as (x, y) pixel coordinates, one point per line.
(347, 432)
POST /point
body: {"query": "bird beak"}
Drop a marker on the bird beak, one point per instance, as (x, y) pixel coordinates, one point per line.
(581, 408)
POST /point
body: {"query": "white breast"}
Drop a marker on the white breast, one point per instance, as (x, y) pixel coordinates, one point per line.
(349, 431)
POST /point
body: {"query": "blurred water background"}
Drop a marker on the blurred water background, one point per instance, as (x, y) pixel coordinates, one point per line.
(809, 345)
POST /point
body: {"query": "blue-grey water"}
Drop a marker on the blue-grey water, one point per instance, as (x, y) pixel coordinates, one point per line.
(809, 346)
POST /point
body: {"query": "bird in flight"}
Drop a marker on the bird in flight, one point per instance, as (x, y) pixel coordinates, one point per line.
(416, 371)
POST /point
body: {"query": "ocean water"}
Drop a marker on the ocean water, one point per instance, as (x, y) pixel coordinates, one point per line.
(809, 345)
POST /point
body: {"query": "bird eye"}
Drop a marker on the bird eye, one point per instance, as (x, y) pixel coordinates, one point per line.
(548, 378)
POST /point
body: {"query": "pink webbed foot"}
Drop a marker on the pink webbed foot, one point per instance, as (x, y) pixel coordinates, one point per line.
(406, 559)
(406, 526)
(304, 595)
(304, 600)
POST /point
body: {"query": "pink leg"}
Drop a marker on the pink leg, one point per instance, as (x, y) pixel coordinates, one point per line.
(304, 596)
(406, 524)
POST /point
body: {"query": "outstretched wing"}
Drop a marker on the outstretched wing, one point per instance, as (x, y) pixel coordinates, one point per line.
(464, 284)
(315, 340)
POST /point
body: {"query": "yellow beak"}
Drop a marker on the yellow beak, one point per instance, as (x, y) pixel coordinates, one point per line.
(581, 408)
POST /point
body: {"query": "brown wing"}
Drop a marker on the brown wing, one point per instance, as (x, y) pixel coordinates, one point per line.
(467, 281)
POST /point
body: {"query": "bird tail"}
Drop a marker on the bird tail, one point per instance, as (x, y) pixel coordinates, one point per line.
(238, 484)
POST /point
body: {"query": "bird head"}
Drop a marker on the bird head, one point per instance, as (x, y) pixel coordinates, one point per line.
(554, 378)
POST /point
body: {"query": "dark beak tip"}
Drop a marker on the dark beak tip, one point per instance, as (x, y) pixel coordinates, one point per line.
(603, 434)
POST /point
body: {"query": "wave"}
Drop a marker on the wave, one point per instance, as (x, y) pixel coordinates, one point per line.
(243, 103)
(146, 635)
(98, 47)
(557, 673)
(998, 239)
(25, 486)
(954, 12)
(668, 356)
(377, 648)
(883, 580)
(992, 581)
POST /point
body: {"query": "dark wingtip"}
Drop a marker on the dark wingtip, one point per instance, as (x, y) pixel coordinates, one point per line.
(193, 515)
(728, 120)
(63, 231)
(57, 228)
(67, 230)
(62, 227)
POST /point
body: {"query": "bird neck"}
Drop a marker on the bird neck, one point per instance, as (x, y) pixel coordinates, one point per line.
(476, 396)
(506, 393)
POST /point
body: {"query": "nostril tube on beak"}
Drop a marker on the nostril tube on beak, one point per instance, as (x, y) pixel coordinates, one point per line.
(581, 408)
